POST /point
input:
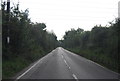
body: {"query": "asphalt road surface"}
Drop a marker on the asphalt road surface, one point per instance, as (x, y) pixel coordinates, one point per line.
(63, 64)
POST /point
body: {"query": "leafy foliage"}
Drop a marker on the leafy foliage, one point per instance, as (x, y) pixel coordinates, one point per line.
(100, 44)
(28, 41)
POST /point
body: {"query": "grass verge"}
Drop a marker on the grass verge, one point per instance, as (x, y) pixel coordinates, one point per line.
(99, 58)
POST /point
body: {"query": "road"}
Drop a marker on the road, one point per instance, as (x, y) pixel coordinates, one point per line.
(63, 64)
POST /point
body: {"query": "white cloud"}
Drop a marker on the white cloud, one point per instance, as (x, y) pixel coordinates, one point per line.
(61, 15)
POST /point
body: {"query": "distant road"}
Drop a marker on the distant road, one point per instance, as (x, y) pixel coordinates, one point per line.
(63, 64)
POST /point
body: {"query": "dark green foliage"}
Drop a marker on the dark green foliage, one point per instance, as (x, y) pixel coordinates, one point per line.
(28, 41)
(101, 44)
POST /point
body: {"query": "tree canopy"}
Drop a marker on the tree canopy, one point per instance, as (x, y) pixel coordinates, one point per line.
(101, 44)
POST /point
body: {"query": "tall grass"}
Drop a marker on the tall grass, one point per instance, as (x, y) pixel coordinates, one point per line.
(11, 67)
(99, 58)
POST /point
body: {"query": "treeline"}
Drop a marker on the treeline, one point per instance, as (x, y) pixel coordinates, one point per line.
(101, 44)
(28, 41)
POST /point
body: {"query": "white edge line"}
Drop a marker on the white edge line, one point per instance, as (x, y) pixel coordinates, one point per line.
(93, 62)
(102, 66)
(28, 70)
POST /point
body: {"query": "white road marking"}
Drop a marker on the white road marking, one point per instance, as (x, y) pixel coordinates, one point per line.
(67, 64)
(31, 67)
(28, 70)
(74, 76)
(92, 62)
(102, 66)
(65, 61)
(62, 56)
(69, 68)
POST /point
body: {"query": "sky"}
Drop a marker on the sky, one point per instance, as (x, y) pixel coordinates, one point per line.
(62, 15)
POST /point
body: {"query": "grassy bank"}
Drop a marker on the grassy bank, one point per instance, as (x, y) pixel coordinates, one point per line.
(29, 40)
(99, 58)
(11, 67)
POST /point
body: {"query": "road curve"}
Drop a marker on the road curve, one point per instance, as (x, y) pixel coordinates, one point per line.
(63, 64)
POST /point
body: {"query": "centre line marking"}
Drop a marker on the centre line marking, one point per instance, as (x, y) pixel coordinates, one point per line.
(69, 67)
(65, 61)
(74, 76)
(67, 64)
(62, 56)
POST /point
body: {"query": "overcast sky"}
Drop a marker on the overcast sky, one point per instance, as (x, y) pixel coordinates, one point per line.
(62, 15)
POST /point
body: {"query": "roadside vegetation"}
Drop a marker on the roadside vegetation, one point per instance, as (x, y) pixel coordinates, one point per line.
(28, 41)
(101, 44)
